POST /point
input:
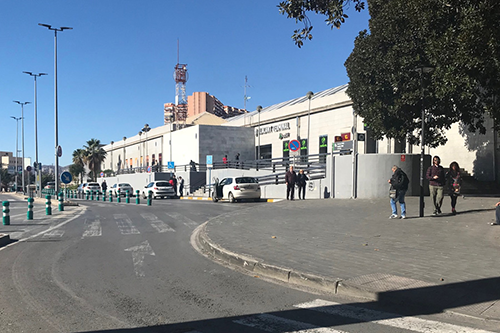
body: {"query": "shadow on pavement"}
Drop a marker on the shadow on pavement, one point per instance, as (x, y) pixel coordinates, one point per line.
(423, 301)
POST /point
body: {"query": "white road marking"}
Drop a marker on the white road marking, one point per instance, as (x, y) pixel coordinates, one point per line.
(185, 220)
(54, 233)
(159, 225)
(125, 224)
(93, 229)
(388, 319)
(270, 323)
(138, 254)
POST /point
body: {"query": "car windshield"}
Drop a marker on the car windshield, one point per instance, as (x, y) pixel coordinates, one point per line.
(162, 184)
(93, 184)
(245, 180)
(124, 184)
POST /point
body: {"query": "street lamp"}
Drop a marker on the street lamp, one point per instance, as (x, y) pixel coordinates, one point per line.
(422, 70)
(37, 172)
(17, 150)
(22, 136)
(112, 169)
(259, 109)
(124, 160)
(146, 129)
(140, 156)
(56, 170)
(309, 95)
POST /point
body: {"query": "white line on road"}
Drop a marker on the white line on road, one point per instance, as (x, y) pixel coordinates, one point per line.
(138, 254)
(54, 234)
(185, 220)
(270, 323)
(159, 225)
(93, 229)
(125, 224)
(383, 318)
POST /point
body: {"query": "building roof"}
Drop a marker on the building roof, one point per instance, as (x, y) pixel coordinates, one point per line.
(205, 118)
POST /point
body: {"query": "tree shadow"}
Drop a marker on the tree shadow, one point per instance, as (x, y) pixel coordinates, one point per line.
(417, 301)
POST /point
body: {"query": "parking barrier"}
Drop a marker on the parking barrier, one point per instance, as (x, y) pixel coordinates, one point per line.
(92, 195)
(97, 193)
(48, 208)
(127, 196)
(110, 196)
(150, 198)
(137, 197)
(87, 194)
(61, 202)
(104, 195)
(29, 215)
(6, 212)
(118, 196)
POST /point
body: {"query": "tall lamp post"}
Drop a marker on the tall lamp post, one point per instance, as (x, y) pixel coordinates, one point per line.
(146, 129)
(22, 137)
(124, 160)
(259, 109)
(17, 150)
(422, 70)
(56, 170)
(140, 155)
(37, 171)
(309, 95)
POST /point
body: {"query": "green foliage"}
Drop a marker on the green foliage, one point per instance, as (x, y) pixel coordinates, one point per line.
(77, 170)
(6, 178)
(94, 156)
(46, 177)
(458, 38)
(333, 9)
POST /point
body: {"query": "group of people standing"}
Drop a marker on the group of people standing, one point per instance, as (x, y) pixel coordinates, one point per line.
(438, 182)
(174, 182)
(292, 179)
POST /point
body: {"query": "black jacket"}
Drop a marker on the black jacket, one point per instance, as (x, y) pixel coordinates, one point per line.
(290, 177)
(301, 179)
(399, 180)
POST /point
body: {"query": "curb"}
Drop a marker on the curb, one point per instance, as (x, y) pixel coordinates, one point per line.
(378, 287)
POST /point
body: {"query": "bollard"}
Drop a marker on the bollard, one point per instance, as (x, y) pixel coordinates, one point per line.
(150, 198)
(110, 195)
(61, 202)
(127, 197)
(118, 196)
(87, 195)
(104, 196)
(6, 212)
(48, 208)
(92, 195)
(30, 209)
(97, 193)
(137, 197)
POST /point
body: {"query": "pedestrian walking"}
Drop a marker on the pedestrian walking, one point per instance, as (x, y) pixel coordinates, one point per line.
(104, 186)
(497, 214)
(224, 160)
(181, 186)
(399, 185)
(301, 182)
(453, 183)
(290, 180)
(436, 176)
(237, 159)
(192, 165)
(175, 184)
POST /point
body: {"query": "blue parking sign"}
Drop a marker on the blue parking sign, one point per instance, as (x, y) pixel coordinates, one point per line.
(171, 165)
(210, 159)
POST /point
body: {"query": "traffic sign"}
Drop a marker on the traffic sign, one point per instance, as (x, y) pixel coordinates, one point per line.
(66, 177)
(149, 169)
(28, 168)
(59, 151)
(294, 145)
(210, 160)
(102, 174)
(171, 165)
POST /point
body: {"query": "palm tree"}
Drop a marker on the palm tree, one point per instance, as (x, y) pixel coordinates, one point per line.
(5, 178)
(79, 161)
(94, 155)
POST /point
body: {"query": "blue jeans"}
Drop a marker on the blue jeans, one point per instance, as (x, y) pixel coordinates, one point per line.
(400, 196)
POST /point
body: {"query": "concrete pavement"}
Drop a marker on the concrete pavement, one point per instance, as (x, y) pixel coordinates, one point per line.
(350, 247)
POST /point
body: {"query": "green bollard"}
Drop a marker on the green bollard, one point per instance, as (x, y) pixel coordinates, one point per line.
(118, 196)
(92, 195)
(6, 212)
(104, 196)
(150, 198)
(61, 202)
(48, 208)
(110, 195)
(30, 209)
(137, 197)
(97, 193)
(127, 197)
(87, 195)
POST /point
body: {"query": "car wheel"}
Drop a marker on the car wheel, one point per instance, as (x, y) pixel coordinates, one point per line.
(231, 197)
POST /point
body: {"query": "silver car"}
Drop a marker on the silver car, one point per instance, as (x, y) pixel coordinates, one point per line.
(160, 189)
(123, 188)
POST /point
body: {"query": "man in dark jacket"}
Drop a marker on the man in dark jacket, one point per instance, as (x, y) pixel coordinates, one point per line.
(290, 180)
(399, 182)
(436, 177)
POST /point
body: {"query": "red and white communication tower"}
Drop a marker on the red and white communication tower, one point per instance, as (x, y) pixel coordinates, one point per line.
(178, 112)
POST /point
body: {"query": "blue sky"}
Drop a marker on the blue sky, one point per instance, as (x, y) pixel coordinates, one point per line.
(115, 67)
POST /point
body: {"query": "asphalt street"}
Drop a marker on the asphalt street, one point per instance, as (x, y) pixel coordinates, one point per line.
(108, 267)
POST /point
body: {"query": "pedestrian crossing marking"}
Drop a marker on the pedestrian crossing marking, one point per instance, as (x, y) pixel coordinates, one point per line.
(383, 318)
(157, 224)
(125, 224)
(185, 220)
(54, 234)
(93, 229)
(270, 323)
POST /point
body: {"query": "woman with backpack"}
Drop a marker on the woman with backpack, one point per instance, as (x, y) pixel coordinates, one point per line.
(453, 183)
(399, 185)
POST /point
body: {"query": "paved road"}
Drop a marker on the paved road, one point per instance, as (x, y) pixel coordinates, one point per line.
(128, 268)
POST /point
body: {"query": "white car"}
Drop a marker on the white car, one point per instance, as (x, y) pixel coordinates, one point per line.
(161, 189)
(89, 187)
(236, 188)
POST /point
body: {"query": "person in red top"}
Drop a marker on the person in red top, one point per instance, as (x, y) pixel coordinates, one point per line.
(224, 160)
(436, 177)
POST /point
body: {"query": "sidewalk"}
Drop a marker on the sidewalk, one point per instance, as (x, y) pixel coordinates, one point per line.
(350, 247)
